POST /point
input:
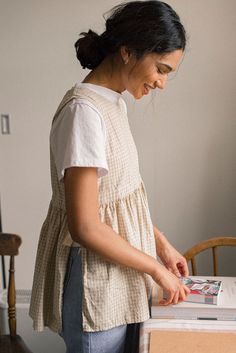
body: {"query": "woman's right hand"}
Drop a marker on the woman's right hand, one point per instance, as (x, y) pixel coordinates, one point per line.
(171, 285)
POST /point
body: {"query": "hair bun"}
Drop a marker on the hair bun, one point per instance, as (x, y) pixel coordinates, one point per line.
(89, 49)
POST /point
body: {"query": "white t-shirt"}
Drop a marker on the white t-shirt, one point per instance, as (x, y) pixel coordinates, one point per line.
(78, 135)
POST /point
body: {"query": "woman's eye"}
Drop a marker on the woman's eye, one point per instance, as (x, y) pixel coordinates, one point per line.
(160, 71)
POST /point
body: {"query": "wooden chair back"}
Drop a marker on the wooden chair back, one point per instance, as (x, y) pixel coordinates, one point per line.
(212, 243)
(9, 246)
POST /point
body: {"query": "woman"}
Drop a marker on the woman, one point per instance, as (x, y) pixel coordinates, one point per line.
(96, 259)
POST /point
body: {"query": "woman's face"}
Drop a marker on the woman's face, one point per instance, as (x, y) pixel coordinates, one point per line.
(142, 75)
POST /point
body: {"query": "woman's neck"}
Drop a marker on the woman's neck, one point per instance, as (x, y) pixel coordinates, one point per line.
(108, 74)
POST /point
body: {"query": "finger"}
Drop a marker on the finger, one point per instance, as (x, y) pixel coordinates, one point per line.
(168, 300)
(183, 268)
(186, 271)
(182, 294)
(187, 290)
(176, 298)
(163, 302)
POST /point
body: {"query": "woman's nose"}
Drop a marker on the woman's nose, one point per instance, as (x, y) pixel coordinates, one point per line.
(161, 83)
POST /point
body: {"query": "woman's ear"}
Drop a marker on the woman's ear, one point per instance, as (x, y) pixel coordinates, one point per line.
(125, 54)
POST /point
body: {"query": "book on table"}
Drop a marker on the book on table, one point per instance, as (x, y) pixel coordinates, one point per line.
(225, 301)
(202, 290)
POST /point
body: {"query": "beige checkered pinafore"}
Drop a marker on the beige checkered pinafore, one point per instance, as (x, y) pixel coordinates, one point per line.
(113, 295)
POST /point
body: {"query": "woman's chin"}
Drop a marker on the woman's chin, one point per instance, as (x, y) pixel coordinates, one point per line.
(137, 95)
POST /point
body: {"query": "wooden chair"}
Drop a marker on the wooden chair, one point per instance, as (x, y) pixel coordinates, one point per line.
(212, 243)
(11, 343)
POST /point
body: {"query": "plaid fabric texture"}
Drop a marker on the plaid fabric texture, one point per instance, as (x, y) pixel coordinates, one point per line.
(113, 295)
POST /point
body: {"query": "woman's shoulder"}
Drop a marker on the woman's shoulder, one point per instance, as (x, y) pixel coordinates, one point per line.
(79, 112)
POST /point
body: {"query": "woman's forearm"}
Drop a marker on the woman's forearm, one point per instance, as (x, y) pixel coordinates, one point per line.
(103, 240)
(108, 244)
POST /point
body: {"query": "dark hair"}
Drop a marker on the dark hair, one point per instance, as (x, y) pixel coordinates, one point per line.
(142, 26)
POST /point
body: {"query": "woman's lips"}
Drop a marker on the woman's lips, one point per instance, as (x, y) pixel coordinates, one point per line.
(147, 88)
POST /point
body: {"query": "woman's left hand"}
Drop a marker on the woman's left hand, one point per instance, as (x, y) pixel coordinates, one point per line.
(170, 257)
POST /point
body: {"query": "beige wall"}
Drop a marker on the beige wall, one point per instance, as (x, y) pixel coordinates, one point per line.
(186, 135)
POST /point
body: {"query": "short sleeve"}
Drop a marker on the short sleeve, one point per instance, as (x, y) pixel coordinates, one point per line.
(78, 138)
